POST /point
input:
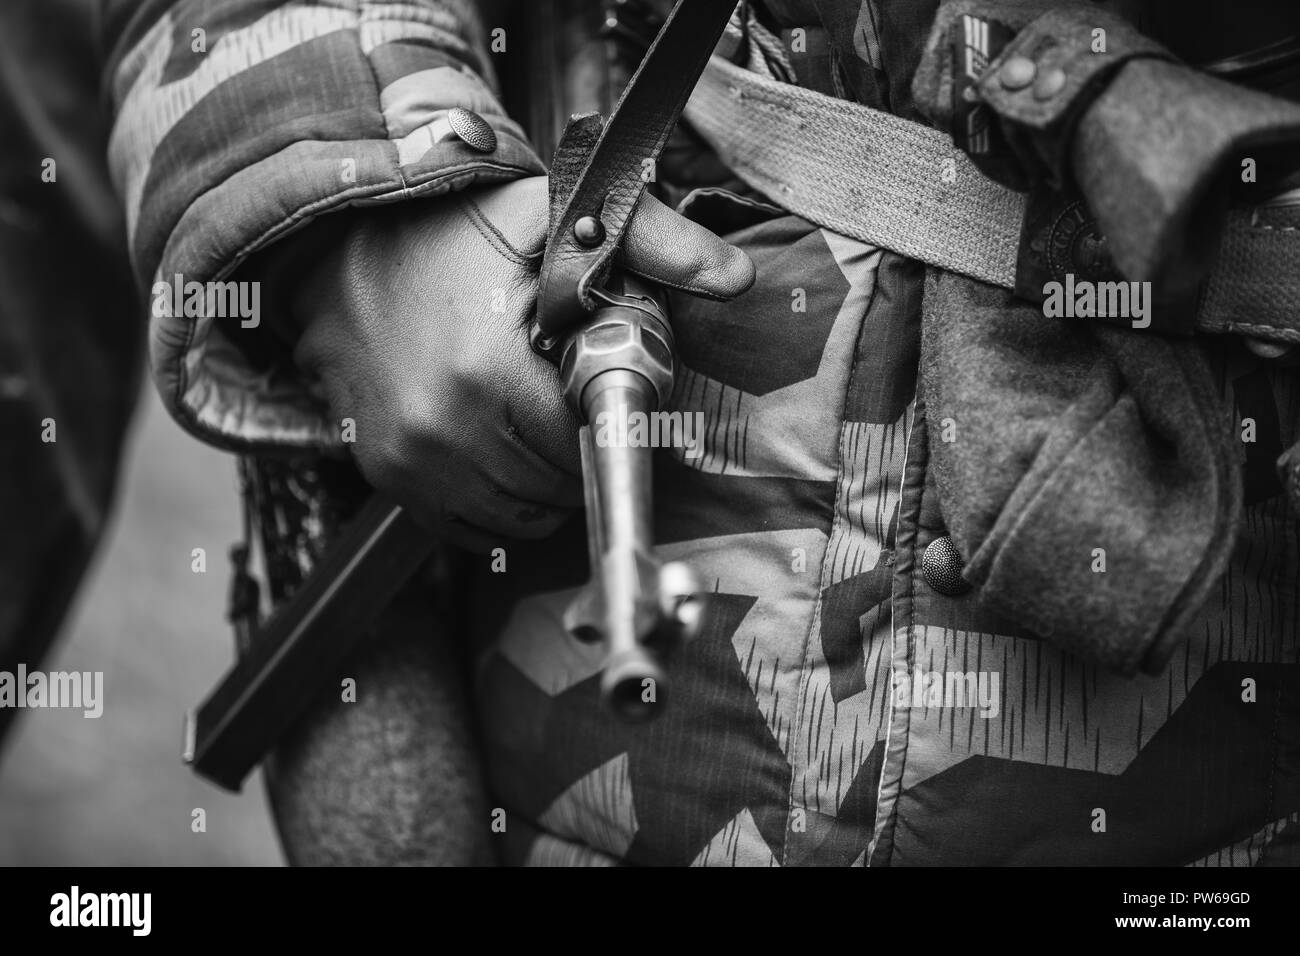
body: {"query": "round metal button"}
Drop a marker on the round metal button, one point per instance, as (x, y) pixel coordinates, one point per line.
(941, 566)
(1017, 73)
(472, 129)
(1049, 83)
(589, 231)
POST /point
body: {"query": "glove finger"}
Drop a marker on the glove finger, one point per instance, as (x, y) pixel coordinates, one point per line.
(539, 417)
(671, 250)
(467, 537)
(500, 486)
(476, 510)
(525, 477)
(500, 523)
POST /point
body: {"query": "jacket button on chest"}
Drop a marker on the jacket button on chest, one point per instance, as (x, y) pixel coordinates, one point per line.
(941, 566)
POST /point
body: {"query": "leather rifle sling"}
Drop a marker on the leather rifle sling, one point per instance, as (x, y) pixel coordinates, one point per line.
(245, 714)
(611, 180)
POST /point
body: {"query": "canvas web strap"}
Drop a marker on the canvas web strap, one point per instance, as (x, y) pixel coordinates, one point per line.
(903, 186)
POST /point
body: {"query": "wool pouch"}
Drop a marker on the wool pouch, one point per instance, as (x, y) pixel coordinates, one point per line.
(1085, 471)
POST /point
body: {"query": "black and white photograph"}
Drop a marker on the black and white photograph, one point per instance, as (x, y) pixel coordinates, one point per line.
(495, 434)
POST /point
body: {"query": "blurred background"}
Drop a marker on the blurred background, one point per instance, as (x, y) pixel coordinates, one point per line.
(76, 791)
(102, 497)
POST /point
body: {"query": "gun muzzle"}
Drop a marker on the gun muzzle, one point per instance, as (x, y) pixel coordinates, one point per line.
(617, 371)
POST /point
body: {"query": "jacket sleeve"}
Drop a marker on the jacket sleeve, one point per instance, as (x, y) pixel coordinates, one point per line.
(237, 123)
(1083, 100)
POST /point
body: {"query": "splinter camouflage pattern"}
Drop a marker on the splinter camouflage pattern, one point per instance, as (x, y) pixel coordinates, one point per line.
(782, 741)
(807, 516)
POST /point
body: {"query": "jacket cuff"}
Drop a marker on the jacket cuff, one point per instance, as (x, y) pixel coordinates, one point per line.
(1047, 77)
(300, 112)
(1162, 154)
(1009, 80)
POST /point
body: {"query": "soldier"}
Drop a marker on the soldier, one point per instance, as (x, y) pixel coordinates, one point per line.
(988, 585)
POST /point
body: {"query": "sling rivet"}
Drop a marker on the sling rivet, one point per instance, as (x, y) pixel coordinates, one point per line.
(589, 231)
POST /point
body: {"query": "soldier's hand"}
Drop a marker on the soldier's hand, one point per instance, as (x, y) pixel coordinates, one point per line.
(416, 325)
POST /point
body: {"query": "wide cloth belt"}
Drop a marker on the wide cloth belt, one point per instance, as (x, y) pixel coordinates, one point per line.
(905, 187)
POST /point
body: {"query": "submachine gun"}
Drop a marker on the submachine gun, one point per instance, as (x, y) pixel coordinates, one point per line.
(610, 337)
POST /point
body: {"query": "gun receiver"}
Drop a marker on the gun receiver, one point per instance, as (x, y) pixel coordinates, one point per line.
(616, 367)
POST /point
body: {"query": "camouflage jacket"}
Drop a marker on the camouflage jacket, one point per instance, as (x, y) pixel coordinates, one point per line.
(848, 701)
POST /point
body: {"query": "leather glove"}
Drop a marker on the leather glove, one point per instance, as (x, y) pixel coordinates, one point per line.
(416, 324)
